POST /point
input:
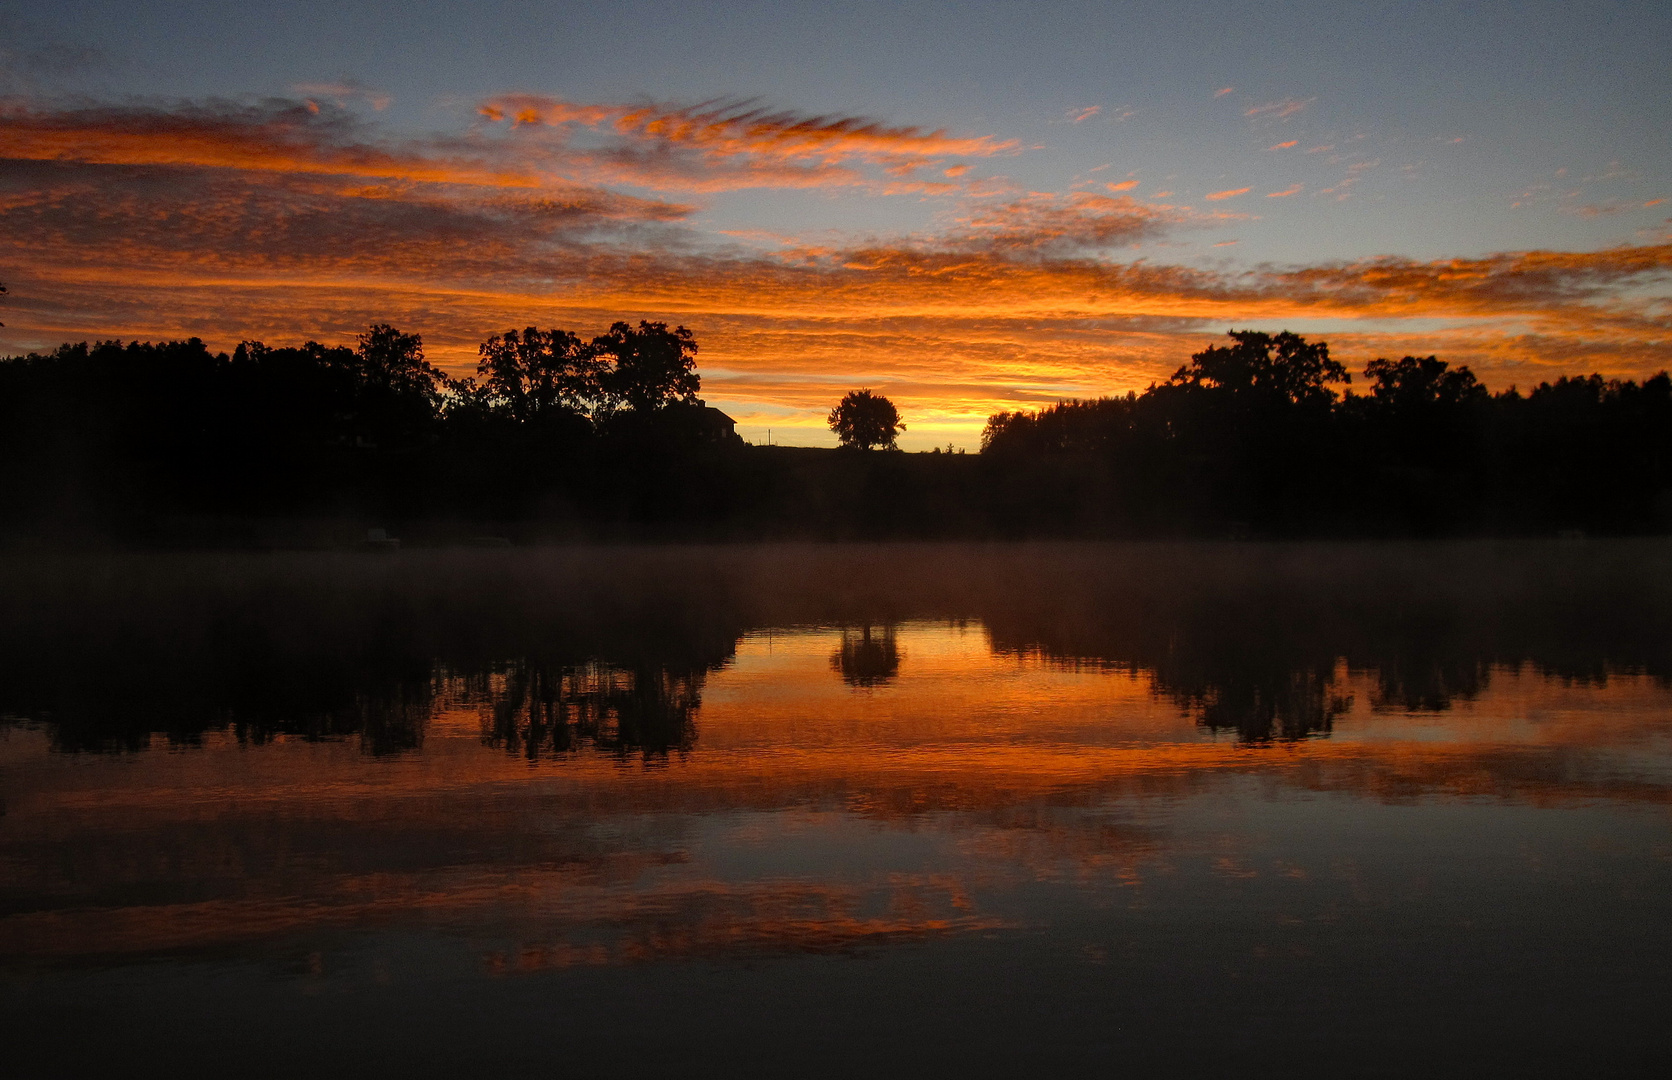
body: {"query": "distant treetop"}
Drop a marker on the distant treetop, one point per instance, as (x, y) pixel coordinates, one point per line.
(654, 366)
(865, 421)
(1276, 367)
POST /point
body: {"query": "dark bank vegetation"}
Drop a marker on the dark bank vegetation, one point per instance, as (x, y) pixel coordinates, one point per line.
(562, 438)
(567, 650)
(1253, 437)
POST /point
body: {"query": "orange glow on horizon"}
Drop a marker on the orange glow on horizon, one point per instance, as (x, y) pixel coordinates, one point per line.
(137, 224)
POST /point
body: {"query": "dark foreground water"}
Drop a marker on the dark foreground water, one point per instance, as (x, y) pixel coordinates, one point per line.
(1154, 810)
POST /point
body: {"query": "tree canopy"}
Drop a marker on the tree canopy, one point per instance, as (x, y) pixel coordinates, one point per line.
(865, 421)
(1417, 382)
(135, 439)
(650, 368)
(1282, 367)
(532, 373)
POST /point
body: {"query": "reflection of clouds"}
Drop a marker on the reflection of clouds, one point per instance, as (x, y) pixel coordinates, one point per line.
(715, 919)
(566, 914)
(1107, 693)
(591, 863)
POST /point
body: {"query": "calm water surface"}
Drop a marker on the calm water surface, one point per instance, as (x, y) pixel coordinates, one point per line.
(907, 811)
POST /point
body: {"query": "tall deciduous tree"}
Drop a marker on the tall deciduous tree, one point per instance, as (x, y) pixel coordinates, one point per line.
(1421, 381)
(393, 361)
(529, 374)
(866, 421)
(1278, 368)
(653, 366)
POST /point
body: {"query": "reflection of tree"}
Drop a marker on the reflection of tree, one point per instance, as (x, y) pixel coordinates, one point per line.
(321, 648)
(610, 649)
(865, 659)
(1287, 706)
(118, 704)
(1428, 683)
(1254, 673)
(537, 708)
(391, 723)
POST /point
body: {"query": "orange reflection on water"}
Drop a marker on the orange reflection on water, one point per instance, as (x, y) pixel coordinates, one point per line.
(814, 811)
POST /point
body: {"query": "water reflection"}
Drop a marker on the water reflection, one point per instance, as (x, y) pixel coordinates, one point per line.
(864, 660)
(612, 649)
(534, 709)
(1161, 765)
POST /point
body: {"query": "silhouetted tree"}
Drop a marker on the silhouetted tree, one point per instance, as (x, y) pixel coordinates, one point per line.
(393, 361)
(1413, 382)
(866, 421)
(652, 367)
(1283, 366)
(531, 373)
(397, 395)
(168, 442)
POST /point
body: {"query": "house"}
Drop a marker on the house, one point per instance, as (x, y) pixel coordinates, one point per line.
(716, 426)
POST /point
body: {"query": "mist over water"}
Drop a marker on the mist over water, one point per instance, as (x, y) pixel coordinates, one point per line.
(1296, 809)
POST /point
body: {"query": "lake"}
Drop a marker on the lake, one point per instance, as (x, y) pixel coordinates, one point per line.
(1378, 809)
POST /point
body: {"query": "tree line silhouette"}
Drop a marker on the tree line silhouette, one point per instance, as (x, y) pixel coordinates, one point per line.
(172, 444)
(1252, 437)
(610, 649)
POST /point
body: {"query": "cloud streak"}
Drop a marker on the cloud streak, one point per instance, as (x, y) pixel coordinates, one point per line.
(273, 136)
(1078, 223)
(278, 220)
(728, 145)
(1277, 110)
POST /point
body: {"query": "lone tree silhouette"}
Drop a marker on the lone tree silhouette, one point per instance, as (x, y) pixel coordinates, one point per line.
(864, 420)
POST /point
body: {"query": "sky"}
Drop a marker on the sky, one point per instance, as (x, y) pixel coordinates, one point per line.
(968, 207)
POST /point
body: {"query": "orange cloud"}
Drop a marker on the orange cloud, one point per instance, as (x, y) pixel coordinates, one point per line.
(1079, 115)
(280, 222)
(1293, 189)
(1080, 221)
(724, 146)
(1284, 145)
(1277, 110)
(1233, 193)
(1222, 91)
(725, 128)
(274, 136)
(1124, 185)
